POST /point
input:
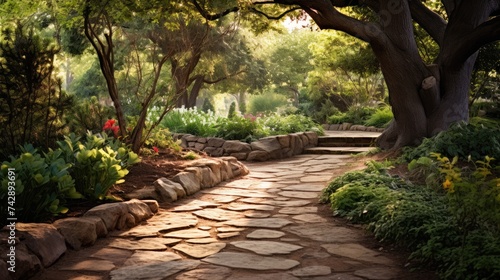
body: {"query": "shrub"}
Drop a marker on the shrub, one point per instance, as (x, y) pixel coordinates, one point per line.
(41, 185)
(191, 121)
(32, 103)
(88, 115)
(232, 110)
(265, 103)
(456, 228)
(237, 128)
(460, 140)
(277, 124)
(355, 114)
(380, 118)
(97, 164)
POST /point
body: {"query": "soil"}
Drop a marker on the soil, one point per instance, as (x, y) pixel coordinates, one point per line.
(165, 164)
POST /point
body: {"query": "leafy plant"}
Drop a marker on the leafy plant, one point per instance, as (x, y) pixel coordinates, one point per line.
(88, 115)
(97, 164)
(462, 140)
(277, 124)
(355, 114)
(266, 103)
(456, 228)
(236, 128)
(41, 185)
(380, 118)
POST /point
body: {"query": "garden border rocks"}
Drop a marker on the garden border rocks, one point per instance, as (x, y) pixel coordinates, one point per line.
(352, 127)
(268, 148)
(39, 245)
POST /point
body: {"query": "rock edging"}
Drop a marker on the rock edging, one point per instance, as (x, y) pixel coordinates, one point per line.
(39, 245)
(352, 127)
(268, 148)
(197, 174)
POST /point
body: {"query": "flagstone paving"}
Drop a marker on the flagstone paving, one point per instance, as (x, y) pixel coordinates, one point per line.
(266, 225)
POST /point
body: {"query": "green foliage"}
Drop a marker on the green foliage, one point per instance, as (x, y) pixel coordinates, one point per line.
(276, 124)
(41, 185)
(355, 115)
(208, 106)
(232, 110)
(191, 121)
(88, 115)
(380, 118)
(462, 140)
(32, 103)
(237, 128)
(97, 164)
(267, 102)
(162, 138)
(246, 128)
(456, 230)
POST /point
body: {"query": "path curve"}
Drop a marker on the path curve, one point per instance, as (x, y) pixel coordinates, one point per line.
(266, 225)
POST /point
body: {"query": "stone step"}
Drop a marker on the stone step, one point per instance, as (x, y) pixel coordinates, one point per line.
(337, 150)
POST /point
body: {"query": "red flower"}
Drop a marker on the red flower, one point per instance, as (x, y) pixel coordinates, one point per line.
(110, 126)
(155, 149)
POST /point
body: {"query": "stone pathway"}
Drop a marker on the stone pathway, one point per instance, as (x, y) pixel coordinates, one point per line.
(266, 225)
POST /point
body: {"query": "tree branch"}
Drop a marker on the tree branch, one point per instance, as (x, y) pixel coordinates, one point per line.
(485, 33)
(204, 13)
(254, 10)
(223, 78)
(430, 21)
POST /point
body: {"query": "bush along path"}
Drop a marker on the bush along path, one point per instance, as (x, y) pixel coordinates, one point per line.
(265, 225)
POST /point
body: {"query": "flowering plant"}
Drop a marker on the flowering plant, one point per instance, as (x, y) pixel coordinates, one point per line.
(111, 126)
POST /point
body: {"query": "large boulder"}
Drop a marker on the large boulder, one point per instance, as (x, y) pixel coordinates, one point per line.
(169, 190)
(25, 263)
(43, 240)
(258, 156)
(77, 232)
(189, 181)
(271, 145)
(139, 210)
(234, 146)
(110, 213)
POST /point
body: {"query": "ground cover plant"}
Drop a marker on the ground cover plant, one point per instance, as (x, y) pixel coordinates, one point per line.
(444, 209)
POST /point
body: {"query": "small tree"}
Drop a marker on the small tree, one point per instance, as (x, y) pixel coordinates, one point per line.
(31, 100)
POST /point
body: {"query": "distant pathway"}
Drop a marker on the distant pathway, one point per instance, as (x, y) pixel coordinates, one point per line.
(266, 225)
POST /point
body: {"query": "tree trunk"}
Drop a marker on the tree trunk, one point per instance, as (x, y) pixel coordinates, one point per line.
(195, 91)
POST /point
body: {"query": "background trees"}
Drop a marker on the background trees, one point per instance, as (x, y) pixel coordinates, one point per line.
(426, 98)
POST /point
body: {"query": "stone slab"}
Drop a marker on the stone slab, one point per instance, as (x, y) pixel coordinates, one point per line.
(266, 247)
(357, 252)
(188, 234)
(265, 233)
(298, 194)
(156, 271)
(250, 261)
(310, 218)
(142, 244)
(150, 257)
(199, 251)
(298, 210)
(310, 271)
(217, 214)
(261, 223)
(206, 273)
(327, 233)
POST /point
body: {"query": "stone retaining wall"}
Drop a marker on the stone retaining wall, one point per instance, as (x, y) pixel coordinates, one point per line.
(350, 126)
(39, 245)
(268, 148)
